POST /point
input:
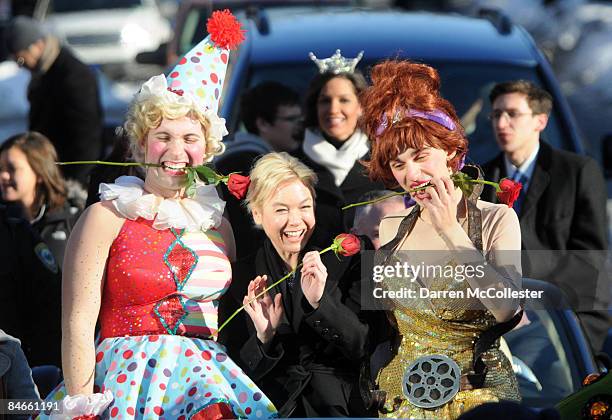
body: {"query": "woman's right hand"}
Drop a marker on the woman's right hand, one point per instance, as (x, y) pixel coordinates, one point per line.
(264, 312)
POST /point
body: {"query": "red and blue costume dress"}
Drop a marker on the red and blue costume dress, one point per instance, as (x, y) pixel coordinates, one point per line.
(159, 308)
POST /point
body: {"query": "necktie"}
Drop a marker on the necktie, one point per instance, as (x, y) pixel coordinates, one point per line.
(522, 178)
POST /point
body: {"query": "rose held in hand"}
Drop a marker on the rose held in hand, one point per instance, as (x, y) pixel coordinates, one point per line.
(238, 185)
(347, 244)
(509, 191)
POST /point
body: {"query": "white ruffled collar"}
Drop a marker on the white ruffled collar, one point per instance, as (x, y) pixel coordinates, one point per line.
(200, 213)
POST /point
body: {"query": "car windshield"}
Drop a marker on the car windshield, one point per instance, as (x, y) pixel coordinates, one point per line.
(66, 6)
(465, 85)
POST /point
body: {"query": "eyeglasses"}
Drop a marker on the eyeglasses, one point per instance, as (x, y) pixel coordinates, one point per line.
(291, 118)
(20, 61)
(510, 115)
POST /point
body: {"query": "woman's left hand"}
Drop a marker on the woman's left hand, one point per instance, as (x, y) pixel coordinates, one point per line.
(313, 278)
(441, 203)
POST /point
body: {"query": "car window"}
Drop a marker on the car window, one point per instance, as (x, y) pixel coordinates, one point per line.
(465, 85)
(545, 368)
(193, 31)
(65, 6)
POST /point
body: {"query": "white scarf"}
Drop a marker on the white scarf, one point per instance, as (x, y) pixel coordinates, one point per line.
(338, 161)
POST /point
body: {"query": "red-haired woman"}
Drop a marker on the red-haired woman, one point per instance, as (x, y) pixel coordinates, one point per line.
(448, 359)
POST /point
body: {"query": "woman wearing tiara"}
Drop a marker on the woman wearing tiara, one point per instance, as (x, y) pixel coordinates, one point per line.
(150, 264)
(333, 144)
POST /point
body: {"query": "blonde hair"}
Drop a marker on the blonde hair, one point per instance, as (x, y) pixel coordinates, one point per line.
(148, 113)
(272, 170)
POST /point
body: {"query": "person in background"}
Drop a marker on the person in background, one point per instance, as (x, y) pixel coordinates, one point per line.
(272, 116)
(63, 94)
(31, 182)
(16, 381)
(367, 218)
(333, 144)
(30, 291)
(562, 206)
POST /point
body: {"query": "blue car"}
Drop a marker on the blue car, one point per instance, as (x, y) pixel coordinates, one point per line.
(550, 355)
(471, 54)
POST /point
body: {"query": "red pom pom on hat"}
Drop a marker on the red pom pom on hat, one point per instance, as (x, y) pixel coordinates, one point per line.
(224, 29)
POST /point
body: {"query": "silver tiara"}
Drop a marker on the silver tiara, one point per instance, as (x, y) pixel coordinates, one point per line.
(336, 63)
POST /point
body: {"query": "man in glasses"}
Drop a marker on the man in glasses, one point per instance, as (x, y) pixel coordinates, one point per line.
(272, 116)
(63, 94)
(562, 206)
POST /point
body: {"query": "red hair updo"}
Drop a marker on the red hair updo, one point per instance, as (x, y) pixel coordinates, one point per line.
(398, 86)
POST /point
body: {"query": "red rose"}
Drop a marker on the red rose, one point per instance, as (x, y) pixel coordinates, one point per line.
(510, 191)
(238, 185)
(347, 244)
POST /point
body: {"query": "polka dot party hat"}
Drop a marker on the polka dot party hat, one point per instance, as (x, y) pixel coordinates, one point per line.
(202, 70)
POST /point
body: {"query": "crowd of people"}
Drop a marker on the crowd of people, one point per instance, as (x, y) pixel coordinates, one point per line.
(153, 266)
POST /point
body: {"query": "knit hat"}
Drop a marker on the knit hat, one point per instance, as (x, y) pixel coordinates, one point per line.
(22, 32)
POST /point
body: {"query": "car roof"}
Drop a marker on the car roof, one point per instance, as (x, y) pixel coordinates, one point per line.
(377, 32)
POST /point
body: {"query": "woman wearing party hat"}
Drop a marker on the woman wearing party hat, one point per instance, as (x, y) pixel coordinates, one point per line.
(150, 265)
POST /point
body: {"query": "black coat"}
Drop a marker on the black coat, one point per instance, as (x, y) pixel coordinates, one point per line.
(53, 226)
(30, 292)
(311, 367)
(565, 209)
(65, 106)
(331, 198)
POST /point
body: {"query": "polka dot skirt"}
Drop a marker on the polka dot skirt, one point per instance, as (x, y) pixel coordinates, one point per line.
(171, 377)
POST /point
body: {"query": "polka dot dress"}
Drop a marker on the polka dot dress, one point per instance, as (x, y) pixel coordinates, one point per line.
(172, 377)
(153, 354)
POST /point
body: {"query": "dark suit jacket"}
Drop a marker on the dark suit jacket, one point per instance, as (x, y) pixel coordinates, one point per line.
(564, 210)
(314, 359)
(65, 106)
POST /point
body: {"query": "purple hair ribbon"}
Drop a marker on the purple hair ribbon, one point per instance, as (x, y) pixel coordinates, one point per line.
(461, 163)
(409, 201)
(436, 116)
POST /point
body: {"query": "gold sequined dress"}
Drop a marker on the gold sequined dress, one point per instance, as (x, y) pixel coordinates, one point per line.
(448, 327)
